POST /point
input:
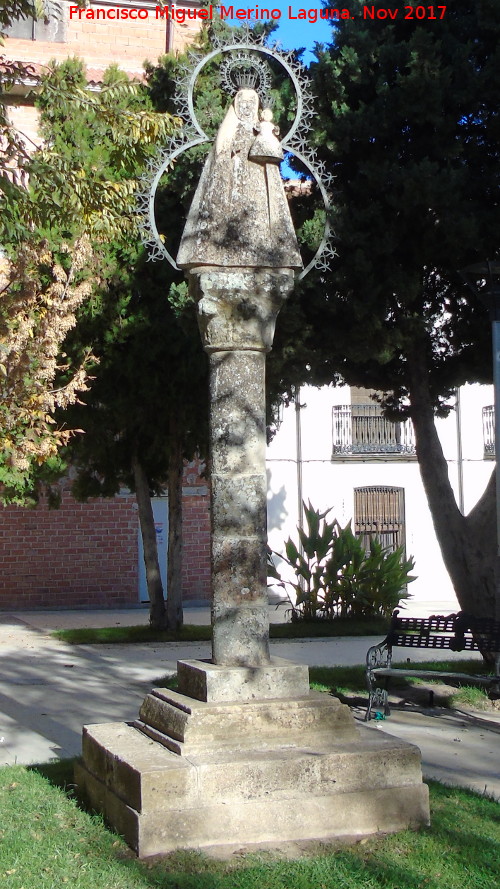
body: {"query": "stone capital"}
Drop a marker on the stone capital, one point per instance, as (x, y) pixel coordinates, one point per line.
(237, 308)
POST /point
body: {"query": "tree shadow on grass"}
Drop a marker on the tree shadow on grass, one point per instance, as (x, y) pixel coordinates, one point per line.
(59, 772)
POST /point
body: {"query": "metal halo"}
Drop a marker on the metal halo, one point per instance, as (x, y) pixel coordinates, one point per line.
(295, 141)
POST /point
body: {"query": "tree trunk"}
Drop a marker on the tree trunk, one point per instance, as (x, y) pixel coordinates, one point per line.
(467, 542)
(157, 616)
(174, 569)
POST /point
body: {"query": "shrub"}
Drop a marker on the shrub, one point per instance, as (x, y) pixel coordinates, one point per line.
(335, 576)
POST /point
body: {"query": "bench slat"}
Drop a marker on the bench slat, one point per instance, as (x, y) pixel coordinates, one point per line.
(432, 674)
(411, 640)
(435, 624)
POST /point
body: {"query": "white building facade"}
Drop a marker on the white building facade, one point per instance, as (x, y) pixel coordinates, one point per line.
(334, 449)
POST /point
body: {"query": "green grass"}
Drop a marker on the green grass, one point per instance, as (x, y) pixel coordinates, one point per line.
(47, 842)
(132, 635)
(350, 682)
(344, 680)
(191, 633)
(341, 626)
(469, 697)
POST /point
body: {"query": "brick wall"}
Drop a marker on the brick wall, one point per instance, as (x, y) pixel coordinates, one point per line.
(80, 555)
(85, 555)
(195, 535)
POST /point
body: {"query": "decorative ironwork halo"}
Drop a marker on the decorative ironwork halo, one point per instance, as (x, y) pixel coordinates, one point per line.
(245, 50)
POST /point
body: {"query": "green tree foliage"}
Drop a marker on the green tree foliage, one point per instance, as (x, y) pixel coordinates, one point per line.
(409, 123)
(92, 192)
(50, 199)
(146, 409)
(12, 10)
(336, 577)
(13, 151)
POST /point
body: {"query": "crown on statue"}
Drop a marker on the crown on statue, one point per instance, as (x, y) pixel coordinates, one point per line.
(245, 71)
(246, 78)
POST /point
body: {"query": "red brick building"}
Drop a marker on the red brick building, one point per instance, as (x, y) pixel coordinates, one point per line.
(89, 555)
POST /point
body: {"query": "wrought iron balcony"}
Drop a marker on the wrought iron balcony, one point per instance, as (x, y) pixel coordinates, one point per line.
(360, 429)
(489, 430)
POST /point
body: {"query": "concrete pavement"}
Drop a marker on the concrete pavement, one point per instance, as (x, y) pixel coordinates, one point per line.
(49, 690)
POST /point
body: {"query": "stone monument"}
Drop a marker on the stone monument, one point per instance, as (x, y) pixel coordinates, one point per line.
(240, 253)
(244, 753)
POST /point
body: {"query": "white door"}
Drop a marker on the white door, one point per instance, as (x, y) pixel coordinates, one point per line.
(160, 513)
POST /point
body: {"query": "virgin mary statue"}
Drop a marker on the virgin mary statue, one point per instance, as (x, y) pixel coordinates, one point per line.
(240, 216)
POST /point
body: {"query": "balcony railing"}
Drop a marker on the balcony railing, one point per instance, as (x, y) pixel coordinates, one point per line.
(360, 429)
(489, 431)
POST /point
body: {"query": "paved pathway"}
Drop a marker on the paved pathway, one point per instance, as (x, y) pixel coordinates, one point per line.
(49, 689)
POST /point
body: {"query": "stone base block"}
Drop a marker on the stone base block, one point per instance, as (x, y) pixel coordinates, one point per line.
(218, 682)
(188, 726)
(161, 801)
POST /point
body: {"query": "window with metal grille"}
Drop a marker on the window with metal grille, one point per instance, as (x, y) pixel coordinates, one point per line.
(489, 430)
(379, 511)
(360, 429)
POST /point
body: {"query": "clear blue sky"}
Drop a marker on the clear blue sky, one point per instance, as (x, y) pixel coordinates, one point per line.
(293, 32)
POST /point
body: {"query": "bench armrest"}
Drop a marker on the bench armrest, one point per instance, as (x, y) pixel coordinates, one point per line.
(378, 656)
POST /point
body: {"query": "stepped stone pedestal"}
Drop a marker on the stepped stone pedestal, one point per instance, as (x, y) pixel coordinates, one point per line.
(244, 753)
(275, 763)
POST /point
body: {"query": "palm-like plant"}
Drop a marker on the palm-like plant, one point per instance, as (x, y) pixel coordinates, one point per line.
(334, 574)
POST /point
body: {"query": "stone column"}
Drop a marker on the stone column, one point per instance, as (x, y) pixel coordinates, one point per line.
(237, 310)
